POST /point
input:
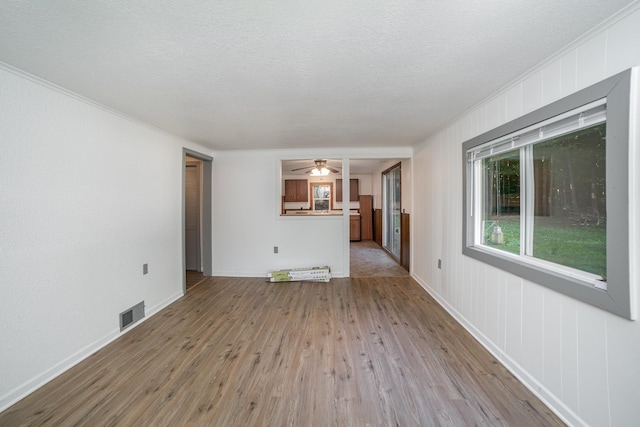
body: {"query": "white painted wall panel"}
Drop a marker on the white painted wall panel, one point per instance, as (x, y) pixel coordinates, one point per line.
(592, 366)
(552, 82)
(466, 289)
(532, 328)
(480, 115)
(419, 228)
(513, 328)
(513, 103)
(570, 380)
(569, 82)
(552, 342)
(623, 46)
(501, 343)
(624, 370)
(591, 61)
(532, 93)
(494, 114)
(492, 306)
(583, 361)
(480, 297)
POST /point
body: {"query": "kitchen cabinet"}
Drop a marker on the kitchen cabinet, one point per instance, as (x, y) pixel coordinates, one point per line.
(354, 227)
(296, 190)
(354, 188)
(366, 217)
(405, 242)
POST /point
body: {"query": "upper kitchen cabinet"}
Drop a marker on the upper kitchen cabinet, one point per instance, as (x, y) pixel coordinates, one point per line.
(354, 187)
(296, 190)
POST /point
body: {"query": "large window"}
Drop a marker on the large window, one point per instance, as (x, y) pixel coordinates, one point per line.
(546, 196)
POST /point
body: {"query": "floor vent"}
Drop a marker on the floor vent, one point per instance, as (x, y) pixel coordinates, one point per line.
(131, 316)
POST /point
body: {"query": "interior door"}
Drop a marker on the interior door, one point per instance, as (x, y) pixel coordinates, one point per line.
(192, 215)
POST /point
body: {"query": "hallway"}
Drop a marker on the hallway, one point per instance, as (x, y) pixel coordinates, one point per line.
(370, 260)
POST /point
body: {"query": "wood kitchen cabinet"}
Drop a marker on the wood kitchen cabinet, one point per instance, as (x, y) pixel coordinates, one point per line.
(366, 217)
(296, 190)
(354, 227)
(354, 188)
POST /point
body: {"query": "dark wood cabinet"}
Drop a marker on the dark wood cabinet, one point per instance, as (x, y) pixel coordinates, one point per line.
(354, 188)
(405, 242)
(354, 228)
(296, 190)
(366, 217)
(377, 226)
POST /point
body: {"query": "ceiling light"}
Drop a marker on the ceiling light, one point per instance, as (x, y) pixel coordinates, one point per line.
(320, 172)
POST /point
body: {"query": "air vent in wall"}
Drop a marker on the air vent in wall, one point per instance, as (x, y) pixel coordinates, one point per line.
(131, 316)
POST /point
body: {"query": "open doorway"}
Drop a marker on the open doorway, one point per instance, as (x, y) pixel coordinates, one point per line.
(196, 218)
(367, 255)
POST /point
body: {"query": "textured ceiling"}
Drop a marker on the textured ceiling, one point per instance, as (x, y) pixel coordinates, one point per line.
(251, 74)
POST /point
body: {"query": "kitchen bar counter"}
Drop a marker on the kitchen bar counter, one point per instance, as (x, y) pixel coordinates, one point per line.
(292, 212)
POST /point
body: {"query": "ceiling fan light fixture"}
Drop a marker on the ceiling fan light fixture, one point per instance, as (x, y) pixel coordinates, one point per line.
(320, 172)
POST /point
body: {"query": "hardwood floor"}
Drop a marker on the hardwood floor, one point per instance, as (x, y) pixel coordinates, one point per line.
(234, 351)
(193, 278)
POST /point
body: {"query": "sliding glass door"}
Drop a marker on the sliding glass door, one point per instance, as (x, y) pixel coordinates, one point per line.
(391, 196)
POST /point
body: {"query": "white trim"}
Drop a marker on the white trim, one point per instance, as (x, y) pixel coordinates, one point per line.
(537, 388)
(64, 365)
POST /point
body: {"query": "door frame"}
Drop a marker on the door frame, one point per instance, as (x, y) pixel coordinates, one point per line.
(207, 224)
(194, 165)
(385, 212)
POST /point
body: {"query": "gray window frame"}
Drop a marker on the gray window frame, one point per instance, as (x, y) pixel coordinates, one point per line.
(617, 296)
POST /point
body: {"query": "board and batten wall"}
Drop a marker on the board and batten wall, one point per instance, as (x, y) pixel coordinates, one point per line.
(87, 196)
(582, 360)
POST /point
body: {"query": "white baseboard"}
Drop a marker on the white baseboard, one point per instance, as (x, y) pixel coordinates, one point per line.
(546, 396)
(38, 381)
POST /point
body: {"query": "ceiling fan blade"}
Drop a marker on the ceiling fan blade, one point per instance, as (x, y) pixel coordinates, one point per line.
(318, 164)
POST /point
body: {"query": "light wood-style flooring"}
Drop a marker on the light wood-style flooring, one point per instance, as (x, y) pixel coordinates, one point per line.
(244, 352)
(193, 278)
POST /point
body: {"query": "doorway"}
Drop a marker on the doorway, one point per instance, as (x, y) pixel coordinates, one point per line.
(196, 217)
(192, 215)
(368, 257)
(391, 200)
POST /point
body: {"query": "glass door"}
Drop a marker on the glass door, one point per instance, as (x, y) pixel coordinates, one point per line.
(391, 197)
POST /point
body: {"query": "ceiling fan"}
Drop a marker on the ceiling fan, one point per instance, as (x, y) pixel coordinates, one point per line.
(320, 168)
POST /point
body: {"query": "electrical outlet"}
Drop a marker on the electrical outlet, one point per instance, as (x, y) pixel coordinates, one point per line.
(275, 249)
(145, 268)
(440, 263)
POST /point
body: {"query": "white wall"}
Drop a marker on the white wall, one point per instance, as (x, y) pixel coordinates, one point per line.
(582, 360)
(86, 197)
(246, 215)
